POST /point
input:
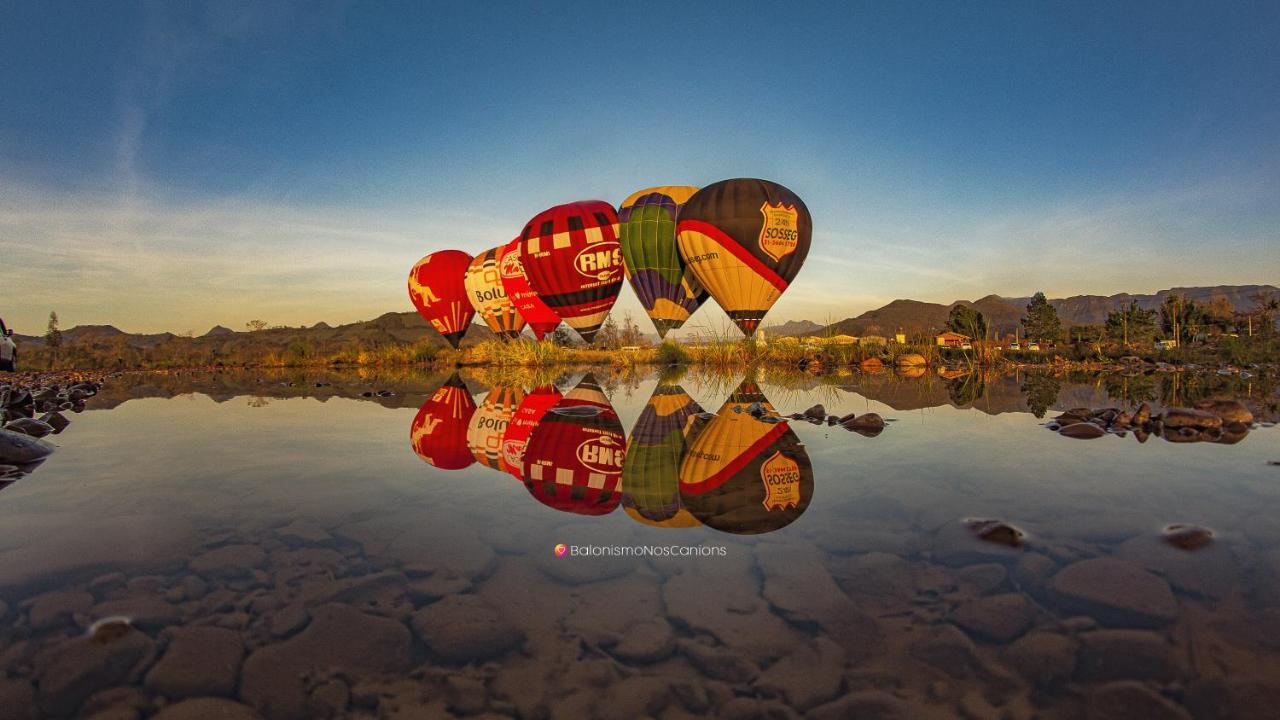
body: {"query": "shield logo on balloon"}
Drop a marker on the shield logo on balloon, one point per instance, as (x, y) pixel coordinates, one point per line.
(780, 233)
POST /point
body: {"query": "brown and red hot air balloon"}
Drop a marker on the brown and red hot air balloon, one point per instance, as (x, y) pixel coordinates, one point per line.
(744, 240)
(573, 261)
(438, 290)
(439, 430)
(530, 412)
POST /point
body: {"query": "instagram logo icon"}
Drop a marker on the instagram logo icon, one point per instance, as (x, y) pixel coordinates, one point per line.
(562, 550)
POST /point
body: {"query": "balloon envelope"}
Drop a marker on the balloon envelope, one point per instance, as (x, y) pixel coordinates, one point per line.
(541, 318)
(527, 416)
(574, 263)
(573, 461)
(488, 296)
(437, 289)
(439, 430)
(744, 240)
(484, 432)
(647, 234)
(744, 476)
(651, 470)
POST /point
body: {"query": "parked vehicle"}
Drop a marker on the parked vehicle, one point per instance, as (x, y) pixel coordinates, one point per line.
(8, 349)
(1033, 347)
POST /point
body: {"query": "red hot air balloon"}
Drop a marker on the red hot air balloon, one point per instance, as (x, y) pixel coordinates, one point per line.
(437, 289)
(541, 319)
(573, 461)
(573, 261)
(530, 412)
(439, 430)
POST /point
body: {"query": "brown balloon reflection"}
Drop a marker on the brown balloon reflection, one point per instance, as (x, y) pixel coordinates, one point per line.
(489, 423)
(744, 476)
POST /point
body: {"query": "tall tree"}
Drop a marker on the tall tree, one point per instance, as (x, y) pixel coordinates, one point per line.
(52, 335)
(1180, 318)
(1131, 324)
(1262, 318)
(967, 321)
(1041, 321)
(256, 325)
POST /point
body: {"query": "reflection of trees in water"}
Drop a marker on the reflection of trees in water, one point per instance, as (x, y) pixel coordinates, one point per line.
(1187, 389)
(258, 401)
(967, 389)
(1041, 391)
(1130, 389)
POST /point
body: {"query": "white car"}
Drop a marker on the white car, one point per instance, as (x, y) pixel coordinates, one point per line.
(8, 349)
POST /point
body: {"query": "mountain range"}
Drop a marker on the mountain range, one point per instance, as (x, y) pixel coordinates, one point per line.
(1003, 314)
(909, 316)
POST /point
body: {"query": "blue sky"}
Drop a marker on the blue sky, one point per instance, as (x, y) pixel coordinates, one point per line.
(169, 166)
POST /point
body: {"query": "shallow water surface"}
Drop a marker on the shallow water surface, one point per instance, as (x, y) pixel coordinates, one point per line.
(644, 546)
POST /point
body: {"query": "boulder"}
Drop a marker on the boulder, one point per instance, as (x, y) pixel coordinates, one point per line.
(55, 608)
(199, 662)
(996, 618)
(1126, 655)
(1178, 418)
(1082, 431)
(207, 709)
(1115, 592)
(1126, 700)
(464, 628)
(70, 671)
(811, 675)
(19, 449)
(29, 426)
(1045, 659)
(1230, 411)
(338, 637)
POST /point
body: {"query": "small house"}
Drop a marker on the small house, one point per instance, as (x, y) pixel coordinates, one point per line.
(952, 339)
(844, 340)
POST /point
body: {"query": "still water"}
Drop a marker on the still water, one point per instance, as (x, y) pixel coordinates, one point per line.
(644, 546)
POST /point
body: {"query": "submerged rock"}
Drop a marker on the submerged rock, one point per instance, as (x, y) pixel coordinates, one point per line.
(464, 628)
(1187, 537)
(69, 672)
(200, 661)
(1115, 592)
(997, 618)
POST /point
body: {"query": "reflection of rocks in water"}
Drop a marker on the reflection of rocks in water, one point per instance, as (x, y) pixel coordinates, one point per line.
(743, 476)
(1225, 422)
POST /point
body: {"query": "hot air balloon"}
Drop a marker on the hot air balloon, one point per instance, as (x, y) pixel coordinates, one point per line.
(647, 233)
(573, 262)
(439, 430)
(489, 297)
(531, 411)
(541, 318)
(573, 461)
(651, 470)
(484, 432)
(744, 240)
(744, 476)
(437, 289)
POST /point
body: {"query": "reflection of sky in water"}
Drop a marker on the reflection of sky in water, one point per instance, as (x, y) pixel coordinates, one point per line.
(234, 465)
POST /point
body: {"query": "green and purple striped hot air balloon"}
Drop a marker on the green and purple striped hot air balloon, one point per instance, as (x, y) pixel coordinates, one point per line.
(655, 269)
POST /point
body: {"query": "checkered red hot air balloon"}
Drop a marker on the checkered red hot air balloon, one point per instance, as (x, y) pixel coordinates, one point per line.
(437, 288)
(516, 437)
(573, 261)
(573, 461)
(541, 319)
(439, 430)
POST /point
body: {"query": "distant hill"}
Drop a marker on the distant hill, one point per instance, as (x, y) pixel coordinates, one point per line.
(792, 327)
(915, 317)
(388, 329)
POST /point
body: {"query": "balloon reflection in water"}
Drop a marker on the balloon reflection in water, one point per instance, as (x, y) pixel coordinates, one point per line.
(527, 416)
(651, 471)
(743, 476)
(573, 461)
(439, 430)
(485, 431)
